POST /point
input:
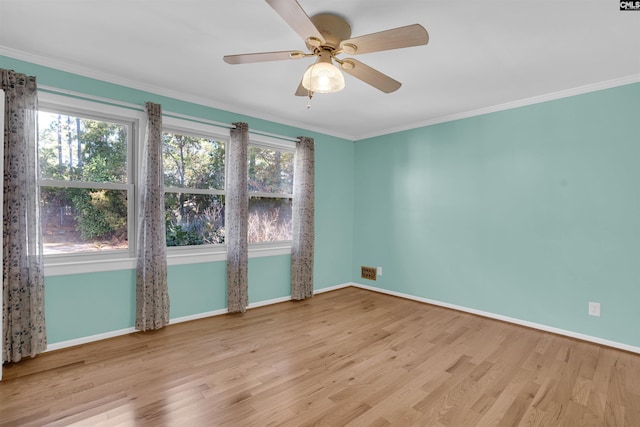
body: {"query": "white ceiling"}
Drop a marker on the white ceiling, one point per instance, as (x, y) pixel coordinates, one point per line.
(482, 54)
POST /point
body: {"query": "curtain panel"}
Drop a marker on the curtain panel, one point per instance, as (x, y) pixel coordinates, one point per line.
(302, 220)
(152, 294)
(24, 331)
(236, 219)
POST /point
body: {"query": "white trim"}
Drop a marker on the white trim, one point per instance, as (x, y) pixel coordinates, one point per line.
(134, 120)
(269, 302)
(112, 334)
(262, 194)
(92, 108)
(193, 119)
(507, 319)
(580, 90)
(198, 316)
(58, 183)
(191, 190)
(67, 265)
(271, 141)
(177, 120)
(260, 250)
(268, 136)
(91, 338)
(78, 95)
(65, 268)
(95, 74)
(332, 288)
(174, 122)
(132, 84)
(545, 328)
(104, 109)
(184, 255)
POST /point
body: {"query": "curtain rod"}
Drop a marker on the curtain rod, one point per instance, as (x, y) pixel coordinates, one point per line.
(136, 107)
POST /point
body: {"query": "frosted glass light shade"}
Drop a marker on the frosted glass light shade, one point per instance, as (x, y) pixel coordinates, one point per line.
(323, 77)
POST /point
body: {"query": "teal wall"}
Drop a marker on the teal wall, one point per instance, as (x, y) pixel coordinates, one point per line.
(83, 305)
(528, 213)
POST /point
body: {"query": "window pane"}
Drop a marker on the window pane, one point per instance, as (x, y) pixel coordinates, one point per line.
(194, 219)
(270, 171)
(269, 219)
(193, 162)
(83, 220)
(78, 149)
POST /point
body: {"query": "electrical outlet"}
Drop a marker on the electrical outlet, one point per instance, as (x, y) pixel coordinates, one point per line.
(379, 271)
(368, 273)
(594, 309)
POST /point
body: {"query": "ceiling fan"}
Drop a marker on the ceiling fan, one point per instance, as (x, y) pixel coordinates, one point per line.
(327, 36)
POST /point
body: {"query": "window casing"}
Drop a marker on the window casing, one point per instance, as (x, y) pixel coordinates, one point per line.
(102, 257)
(86, 179)
(194, 159)
(270, 170)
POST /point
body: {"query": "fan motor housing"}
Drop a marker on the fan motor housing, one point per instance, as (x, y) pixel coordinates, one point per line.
(333, 28)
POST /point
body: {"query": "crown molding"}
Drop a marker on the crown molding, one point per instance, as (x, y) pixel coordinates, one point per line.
(566, 93)
(88, 72)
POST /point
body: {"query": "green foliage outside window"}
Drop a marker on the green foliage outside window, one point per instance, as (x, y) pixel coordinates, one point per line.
(192, 162)
(75, 149)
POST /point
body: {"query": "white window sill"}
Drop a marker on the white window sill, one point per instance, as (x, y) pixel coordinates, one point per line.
(62, 266)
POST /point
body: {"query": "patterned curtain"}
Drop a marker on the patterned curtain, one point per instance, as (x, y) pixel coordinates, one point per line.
(152, 294)
(236, 219)
(302, 220)
(22, 273)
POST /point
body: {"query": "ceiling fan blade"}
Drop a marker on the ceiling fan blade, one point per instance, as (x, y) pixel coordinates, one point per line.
(396, 38)
(370, 75)
(297, 18)
(247, 58)
(302, 91)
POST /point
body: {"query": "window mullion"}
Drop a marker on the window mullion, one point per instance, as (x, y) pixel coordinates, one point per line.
(270, 195)
(211, 191)
(84, 184)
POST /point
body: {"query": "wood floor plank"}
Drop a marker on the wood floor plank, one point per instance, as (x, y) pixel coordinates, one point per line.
(347, 357)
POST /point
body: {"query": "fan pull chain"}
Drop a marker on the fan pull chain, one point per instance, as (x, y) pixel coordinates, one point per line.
(310, 95)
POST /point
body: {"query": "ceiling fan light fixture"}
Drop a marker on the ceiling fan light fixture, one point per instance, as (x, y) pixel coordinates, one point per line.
(323, 76)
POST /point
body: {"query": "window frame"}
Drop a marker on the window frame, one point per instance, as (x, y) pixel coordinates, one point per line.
(57, 104)
(202, 253)
(97, 108)
(179, 255)
(264, 141)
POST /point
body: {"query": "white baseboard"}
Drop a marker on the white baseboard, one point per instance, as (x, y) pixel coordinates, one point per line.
(268, 302)
(571, 334)
(112, 334)
(508, 319)
(332, 288)
(85, 340)
(198, 316)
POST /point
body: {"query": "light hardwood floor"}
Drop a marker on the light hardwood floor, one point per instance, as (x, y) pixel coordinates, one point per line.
(347, 357)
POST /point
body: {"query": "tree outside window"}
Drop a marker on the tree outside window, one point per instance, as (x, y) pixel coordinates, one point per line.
(194, 189)
(84, 188)
(270, 191)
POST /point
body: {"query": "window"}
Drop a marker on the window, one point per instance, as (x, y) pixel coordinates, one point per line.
(85, 181)
(270, 192)
(194, 165)
(87, 157)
